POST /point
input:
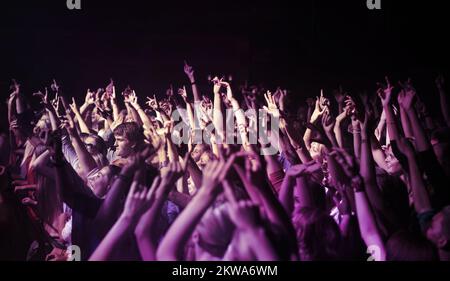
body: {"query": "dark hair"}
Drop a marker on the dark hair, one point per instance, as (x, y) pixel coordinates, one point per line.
(130, 130)
(407, 246)
(318, 235)
(99, 142)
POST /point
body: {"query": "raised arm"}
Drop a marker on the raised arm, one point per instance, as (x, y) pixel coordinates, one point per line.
(145, 233)
(83, 127)
(366, 219)
(86, 161)
(440, 83)
(190, 74)
(172, 245)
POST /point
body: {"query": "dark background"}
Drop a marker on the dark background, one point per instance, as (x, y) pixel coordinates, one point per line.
(304, 45)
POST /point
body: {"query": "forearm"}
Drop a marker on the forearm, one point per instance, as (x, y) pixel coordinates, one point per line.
(356, 142)
(260, 244)
(338, 134)
(330, 135)
(391, 123)
(115, 109)
(40, 165)
(421, 197)
(117, 234)
(368, 228)
(378, 153)
(20, 105)
(307, 138)
(218, 117)
(405, 124)
(54, 120)
(145, 230)
(305, 198)
(144, 118)
(85, 159)
(112, 205)
(83, 127)
(195, 91)
(173, 243)
(421, 140)
(85, 107)
(286, 195)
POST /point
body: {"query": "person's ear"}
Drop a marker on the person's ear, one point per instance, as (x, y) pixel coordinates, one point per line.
(195, 237)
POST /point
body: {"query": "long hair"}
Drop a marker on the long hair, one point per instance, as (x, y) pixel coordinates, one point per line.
(318, 235)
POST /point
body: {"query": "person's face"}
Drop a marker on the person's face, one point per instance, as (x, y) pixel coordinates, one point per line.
(441, 152)
(197, 152)
(204, 159)
(90, 144)
(101, 179)
(124, 147)
(393, 166)
(315, 150)
(41, 126)
(435, 231)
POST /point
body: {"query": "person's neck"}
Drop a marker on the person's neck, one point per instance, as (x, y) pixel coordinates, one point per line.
(444, 255)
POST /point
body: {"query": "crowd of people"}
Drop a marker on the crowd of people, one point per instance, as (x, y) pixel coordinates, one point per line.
(338, 177)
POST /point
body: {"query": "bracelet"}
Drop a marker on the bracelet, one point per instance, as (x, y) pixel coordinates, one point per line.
(192, 83)
(357, 184)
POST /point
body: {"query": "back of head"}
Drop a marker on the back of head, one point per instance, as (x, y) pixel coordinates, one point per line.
(407, 246)
(318, 235)
(216, 230)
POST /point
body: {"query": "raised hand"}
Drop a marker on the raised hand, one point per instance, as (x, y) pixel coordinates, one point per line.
(110, 89)
(42, 96)
(133, 100)
(385, 92)
(90, 97)
(15, 87)
(153, 103)
(217, 84)
(406, 99)
(136, 201)
(229, 91)
(175, 171)
(189, 71)
(183, 93)
(317, 111)
(323, 101)
(73, 106)
(215, 172)
(347, 163)
(327, 121)
(245, 215)
(271, 107)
